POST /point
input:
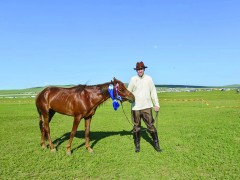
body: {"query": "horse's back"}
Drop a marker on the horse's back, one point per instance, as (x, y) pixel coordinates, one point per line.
(46, 94)
(61, 100)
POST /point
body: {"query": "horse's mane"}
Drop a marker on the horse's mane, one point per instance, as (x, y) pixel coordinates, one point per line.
(80, 87)
(103, 87)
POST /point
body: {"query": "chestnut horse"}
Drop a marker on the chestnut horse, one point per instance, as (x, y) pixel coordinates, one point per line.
(80, 102)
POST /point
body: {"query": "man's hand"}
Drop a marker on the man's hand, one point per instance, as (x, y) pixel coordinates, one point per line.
(156, 108)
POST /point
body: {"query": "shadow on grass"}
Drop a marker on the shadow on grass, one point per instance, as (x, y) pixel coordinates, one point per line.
(96, 136)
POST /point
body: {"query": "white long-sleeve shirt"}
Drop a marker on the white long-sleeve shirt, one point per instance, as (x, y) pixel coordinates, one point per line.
(144, 91)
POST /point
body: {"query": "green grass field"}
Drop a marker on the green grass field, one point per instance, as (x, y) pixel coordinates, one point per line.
(199, 133)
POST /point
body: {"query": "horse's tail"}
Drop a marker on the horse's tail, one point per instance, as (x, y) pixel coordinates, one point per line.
(40, 119)
(41, 124)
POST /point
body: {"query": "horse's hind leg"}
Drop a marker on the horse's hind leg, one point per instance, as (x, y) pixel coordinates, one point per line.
(42, 129)
(47, 132)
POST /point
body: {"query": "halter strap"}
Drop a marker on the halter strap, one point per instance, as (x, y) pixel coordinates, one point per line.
(116, 89)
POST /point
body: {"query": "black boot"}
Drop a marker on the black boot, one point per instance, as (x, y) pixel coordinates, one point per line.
(155, 141)
(136, 136)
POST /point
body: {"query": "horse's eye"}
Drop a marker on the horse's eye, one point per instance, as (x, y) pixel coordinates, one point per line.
(121, 90)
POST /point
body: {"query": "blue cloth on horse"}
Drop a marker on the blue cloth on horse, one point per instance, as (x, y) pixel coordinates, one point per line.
(115, 104)
(114, 101)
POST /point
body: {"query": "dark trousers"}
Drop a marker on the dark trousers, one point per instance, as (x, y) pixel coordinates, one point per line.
(146, 115)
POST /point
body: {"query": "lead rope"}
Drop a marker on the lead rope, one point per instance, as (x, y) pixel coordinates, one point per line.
(156, 118)
(126, 115)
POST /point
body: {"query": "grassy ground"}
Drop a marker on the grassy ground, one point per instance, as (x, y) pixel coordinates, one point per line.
(199, 135)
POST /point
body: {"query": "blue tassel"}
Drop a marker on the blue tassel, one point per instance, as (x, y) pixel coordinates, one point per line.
(114, 101)
(115, 104)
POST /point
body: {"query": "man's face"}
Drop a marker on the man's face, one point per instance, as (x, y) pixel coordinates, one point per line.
(140, 72)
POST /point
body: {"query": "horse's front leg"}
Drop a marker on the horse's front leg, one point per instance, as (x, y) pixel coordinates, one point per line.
(74, 130)
(87, 134)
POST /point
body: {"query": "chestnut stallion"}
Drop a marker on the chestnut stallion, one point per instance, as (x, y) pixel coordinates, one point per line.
(80, 102)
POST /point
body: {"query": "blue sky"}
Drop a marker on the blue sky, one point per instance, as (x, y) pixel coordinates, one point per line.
(56, 42)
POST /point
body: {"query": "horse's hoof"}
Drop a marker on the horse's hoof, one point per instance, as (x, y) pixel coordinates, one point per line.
(90, 150)
(53, 150)
(44, 147)
(68, 153)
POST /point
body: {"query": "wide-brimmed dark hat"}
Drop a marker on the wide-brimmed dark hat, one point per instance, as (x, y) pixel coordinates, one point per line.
(140, 65)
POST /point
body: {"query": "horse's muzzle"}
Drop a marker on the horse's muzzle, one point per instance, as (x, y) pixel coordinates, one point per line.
(131, 99)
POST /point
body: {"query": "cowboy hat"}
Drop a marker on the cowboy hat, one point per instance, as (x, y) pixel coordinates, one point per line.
(140, 65)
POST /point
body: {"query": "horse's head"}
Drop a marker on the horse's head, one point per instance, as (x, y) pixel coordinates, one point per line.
(121, 90)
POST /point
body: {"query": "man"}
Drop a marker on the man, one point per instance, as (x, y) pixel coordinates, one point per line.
(145, 93)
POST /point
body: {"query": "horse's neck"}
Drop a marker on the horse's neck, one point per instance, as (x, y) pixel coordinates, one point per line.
(100, 95)
(104, 91)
